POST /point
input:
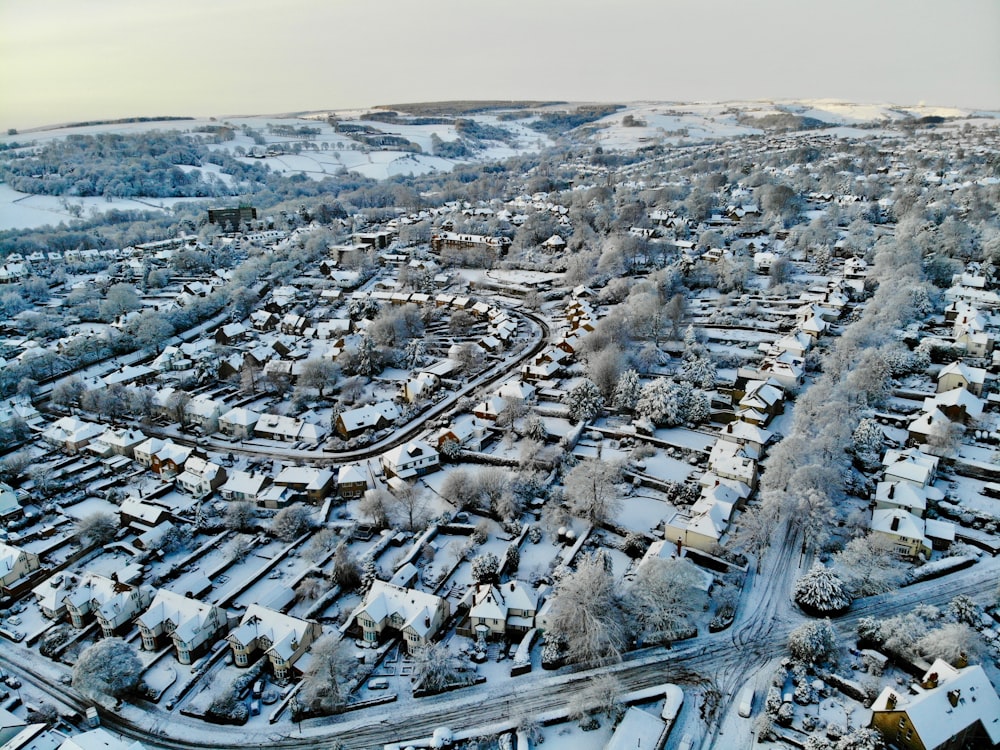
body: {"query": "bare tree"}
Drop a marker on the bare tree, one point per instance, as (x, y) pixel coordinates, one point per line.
(600, 697)
(410, 508)
(325, 682)
(435, 667)
(375, 504)
(590, 490)
(587, 613)
(663, 597)
(869, 565)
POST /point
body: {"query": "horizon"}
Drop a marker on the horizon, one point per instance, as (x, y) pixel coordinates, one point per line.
(401, 107)
(62, 62)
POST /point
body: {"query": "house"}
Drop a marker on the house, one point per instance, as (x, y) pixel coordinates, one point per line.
(82, 598)
(764, 397)
(490, 408)
(958, 404)
(730, 460)
(10, 506)
(378, 416)
(71, 434)
(388, 609)
(351, 481)
(926, 425)
(959, 375)
(282, 638)
(119, 610)
(118, 442)
(748, 435)
(911, 466)
(238, 422)
(273, 497)
(904, 496)
(453, 241)
(164, 457)
(976, 343)
(230, 334)
(135, 510)
(949, 709)
(49, 596)
(200, 477)
(411, 459)
(191, 625)
(204, 411)
(507, 609)
(312, 483)
(244, 486)
(703, 527)
(15, 566)
(131, 375)
(287, 429)
(421, 386)
(17, 410)
(911, 535)
(293, 324)
(263, 320)
(467, 430)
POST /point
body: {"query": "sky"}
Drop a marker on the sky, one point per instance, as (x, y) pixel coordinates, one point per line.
(74, 60)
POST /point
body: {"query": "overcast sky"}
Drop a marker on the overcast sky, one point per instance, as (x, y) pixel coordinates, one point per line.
(72, 60)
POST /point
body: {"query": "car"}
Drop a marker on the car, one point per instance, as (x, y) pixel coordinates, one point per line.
(258, 688)
(12, 682)
(379, 683)
(255, 707)
(686, 743)
(745, 702)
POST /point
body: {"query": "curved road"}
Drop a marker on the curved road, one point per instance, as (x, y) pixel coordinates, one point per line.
(721, 662)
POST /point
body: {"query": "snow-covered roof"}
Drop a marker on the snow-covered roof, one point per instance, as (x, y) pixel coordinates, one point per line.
(368, 416)
(902, 495)
(351, 474)
(99, 739)
(244, 483)
(414, 608)
(635, 727)
(976, 375)
(962, 698)
(957, 397)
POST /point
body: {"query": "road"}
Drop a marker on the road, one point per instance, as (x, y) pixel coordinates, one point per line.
(719, 662)
(495, 374)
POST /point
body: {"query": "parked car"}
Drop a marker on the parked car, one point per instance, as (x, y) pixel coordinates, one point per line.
(258, 688)
(255, 707)
(745, 703)
(379, 683)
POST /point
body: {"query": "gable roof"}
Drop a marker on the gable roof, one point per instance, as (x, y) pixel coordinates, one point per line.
(962, 698)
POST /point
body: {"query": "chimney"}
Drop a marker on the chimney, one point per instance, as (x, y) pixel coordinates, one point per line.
(931, 682)
(895, 523)
(892, 490)
(953, 696)
(890, 702)
(427, 622)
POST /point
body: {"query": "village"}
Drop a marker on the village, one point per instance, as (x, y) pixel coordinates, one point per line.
(295, 473)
